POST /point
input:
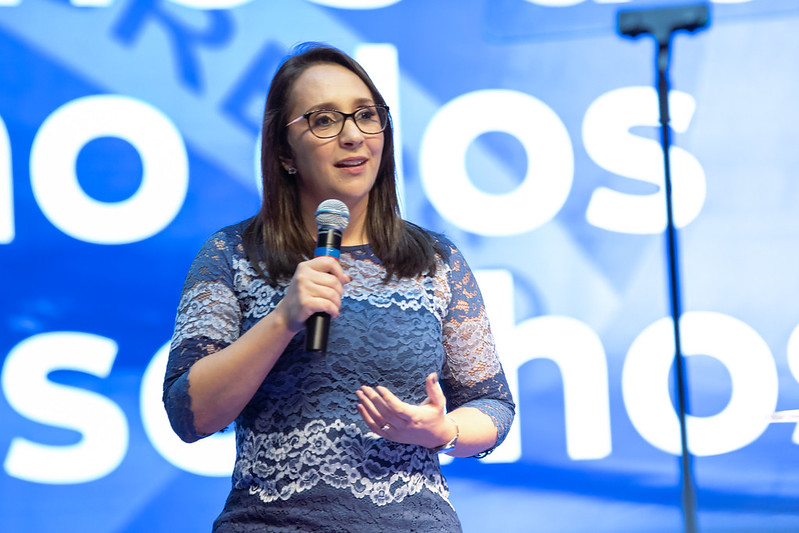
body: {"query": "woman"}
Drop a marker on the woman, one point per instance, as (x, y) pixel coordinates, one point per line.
(345, 440)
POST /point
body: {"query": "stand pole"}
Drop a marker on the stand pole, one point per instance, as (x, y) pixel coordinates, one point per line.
(662, 24)
(686, 475)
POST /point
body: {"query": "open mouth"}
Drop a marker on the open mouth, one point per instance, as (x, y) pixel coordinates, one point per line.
(351, 163)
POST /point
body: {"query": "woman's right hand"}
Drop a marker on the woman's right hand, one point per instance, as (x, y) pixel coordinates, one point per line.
(221, 384)
(317, 286)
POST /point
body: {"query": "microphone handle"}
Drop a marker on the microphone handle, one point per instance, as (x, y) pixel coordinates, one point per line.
(317, 327)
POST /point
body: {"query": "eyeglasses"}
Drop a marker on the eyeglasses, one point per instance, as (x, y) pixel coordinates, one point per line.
(328, 123)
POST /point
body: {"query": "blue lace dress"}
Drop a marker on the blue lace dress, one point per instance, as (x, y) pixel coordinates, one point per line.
(305, 459)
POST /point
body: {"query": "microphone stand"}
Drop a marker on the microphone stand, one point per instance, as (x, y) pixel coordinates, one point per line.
(661, 24)
(686, 466)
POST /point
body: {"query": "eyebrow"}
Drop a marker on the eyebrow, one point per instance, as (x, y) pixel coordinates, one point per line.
(330, 106)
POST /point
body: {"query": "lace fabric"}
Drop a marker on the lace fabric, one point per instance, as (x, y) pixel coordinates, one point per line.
(300, 439)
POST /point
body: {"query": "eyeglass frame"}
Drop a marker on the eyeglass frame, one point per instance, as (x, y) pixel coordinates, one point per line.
(307, 117)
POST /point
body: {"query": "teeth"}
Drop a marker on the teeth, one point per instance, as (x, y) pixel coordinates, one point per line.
(351, 163)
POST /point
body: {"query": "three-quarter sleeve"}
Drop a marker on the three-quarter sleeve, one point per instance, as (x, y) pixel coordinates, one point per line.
(208, 319)
(472, 374)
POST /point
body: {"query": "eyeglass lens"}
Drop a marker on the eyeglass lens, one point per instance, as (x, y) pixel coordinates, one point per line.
(329, 123)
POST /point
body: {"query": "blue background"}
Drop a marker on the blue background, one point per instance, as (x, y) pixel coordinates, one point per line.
(207, 71)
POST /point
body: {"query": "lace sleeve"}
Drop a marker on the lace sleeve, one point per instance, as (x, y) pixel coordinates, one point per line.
(208, 319)
(472, 374)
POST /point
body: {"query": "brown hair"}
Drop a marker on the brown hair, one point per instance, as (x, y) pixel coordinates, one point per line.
(277, 237)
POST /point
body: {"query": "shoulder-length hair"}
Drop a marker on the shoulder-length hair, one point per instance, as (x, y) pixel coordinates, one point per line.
(277, 237)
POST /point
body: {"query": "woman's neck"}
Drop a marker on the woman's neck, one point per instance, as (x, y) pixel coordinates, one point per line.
(355, 233)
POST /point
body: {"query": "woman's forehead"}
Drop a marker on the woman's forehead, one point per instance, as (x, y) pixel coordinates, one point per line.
(328, 85)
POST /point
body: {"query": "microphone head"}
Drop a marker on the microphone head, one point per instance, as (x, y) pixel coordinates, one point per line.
(332, 214)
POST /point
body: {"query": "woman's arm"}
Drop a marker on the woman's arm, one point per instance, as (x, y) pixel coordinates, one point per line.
(221, 383)
(472, 382)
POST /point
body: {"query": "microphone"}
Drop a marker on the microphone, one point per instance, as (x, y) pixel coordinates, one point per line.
(332, 217)
(661, 23)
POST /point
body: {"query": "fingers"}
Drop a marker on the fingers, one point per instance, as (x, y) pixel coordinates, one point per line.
(388, 403)
(316, 287)
(330, 266)
(379, 426)
(435, 396)
(391, 418)
(318, 290)
(372, 417)
(379, 408)
(323, 271)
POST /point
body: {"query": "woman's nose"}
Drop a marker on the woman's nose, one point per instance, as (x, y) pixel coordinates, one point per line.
(350, 133)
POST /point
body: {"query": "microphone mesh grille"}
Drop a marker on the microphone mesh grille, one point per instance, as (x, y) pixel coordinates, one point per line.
(332, 214)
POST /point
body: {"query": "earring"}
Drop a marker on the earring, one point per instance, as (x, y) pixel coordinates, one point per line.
(291, 171)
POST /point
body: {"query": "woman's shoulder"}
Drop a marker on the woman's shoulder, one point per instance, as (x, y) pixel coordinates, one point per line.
(445, 247)
(225, 242)
(447, 256)
(229, 236)
(234, 231)
(438, 239)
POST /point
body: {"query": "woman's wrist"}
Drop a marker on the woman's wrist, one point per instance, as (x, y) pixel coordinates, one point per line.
(450, 444)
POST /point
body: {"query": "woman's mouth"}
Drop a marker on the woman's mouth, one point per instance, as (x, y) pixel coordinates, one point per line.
(351, 162)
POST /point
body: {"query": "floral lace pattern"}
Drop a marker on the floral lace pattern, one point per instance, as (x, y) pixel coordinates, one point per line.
(367, 285)
(300, 437)
(337, 455)
(192, 322)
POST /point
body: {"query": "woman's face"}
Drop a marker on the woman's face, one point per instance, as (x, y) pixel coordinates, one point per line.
(342, 167)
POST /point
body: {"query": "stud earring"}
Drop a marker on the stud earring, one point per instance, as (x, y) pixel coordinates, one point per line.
(291, 171)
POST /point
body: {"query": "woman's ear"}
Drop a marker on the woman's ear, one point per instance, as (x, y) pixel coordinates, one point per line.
(288, 165)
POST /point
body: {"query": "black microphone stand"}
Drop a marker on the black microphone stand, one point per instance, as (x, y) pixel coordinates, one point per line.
(662, 24)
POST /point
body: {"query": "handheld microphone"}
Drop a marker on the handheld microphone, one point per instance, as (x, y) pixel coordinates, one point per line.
(332, 217)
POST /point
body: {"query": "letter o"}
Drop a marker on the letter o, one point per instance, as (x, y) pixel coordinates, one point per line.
(55, 184)
(732, 342)
(550, 157)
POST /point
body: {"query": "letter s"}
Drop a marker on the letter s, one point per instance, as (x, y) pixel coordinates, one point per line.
(101, 422)
(608, 141)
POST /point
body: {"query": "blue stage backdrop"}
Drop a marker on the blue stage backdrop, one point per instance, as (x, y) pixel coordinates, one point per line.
(128, 134)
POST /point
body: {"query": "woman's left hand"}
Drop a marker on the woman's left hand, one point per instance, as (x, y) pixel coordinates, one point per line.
(424, 424)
